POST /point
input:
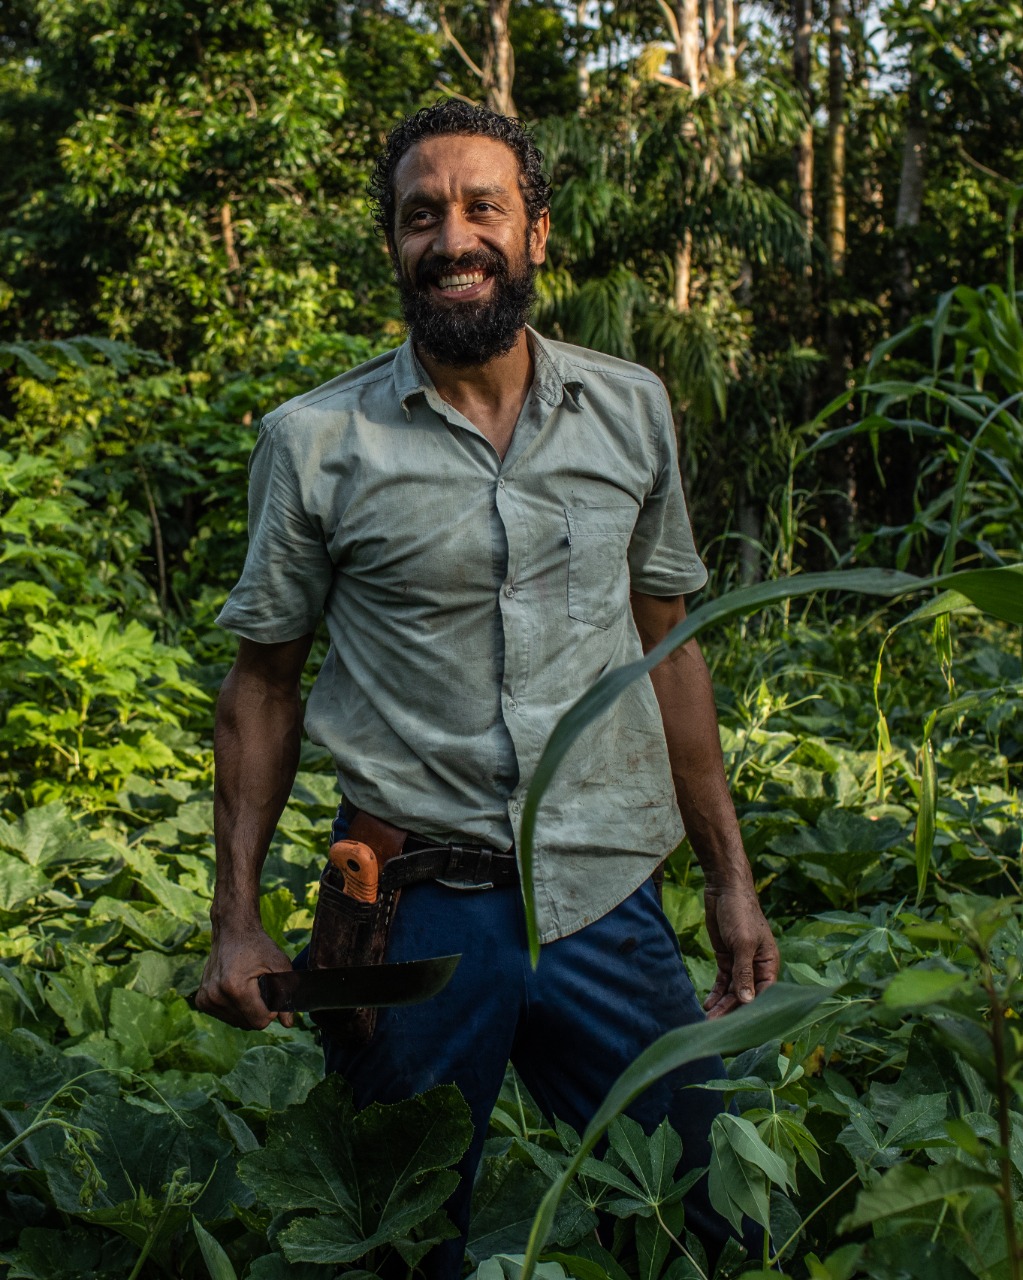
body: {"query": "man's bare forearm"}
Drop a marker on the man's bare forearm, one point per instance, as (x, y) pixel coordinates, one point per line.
(685, 694)
(747, 957)
(256, 747)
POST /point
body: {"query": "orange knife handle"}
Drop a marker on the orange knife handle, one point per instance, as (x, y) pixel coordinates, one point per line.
(358, 865)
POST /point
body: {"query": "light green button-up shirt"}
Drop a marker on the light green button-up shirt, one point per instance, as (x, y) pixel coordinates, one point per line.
(471, 600)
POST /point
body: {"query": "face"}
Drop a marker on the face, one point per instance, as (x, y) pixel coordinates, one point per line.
(465, 256)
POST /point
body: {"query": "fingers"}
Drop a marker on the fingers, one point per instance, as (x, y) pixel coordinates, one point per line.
(718, 993)
(230, 983)
(742, 975)
(239, 1005)
(747, 955)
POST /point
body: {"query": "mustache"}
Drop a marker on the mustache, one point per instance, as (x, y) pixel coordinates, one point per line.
(432, 268)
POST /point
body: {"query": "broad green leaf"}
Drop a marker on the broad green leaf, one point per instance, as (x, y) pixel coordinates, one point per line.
(142, 1026)
(748, 1145)
(918, 1120)
(594, 1264)
(142, 1150)
(44, 1254)
(775, 1014)
(269, 1078)
(652, 1160)
(275, 908)
(511, 1267)
(19, 883)
(970, 1041)
(48, 835)
(274, 1266)
(737, 1188)
(998, 592)
(652, 1241)
(373, 1177)
(841, 1264)
(840, 831)
(218, 1264)
(915, 987)
(913, 1257)
(505, 1199)
(336, 1239)
(908, 1188)
(182, 903)
(742, 1169)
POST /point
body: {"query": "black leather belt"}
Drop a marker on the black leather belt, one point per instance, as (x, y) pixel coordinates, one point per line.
(422, 858)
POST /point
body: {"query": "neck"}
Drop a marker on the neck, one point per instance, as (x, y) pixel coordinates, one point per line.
(497, 381)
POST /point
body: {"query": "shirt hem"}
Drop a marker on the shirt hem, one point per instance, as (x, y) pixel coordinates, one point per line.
(623, 891)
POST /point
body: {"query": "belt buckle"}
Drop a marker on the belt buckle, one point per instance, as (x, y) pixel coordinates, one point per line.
(471, 864)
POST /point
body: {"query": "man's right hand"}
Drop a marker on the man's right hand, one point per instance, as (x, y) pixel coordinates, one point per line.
(229, 989)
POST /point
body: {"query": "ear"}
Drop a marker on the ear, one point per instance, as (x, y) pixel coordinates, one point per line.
(538, 234)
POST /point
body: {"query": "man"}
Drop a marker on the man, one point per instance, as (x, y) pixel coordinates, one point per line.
(488, 521)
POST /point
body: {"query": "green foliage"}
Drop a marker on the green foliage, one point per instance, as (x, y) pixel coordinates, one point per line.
(967, 403)
(186, 187)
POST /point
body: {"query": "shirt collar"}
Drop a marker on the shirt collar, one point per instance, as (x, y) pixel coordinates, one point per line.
(553, 375)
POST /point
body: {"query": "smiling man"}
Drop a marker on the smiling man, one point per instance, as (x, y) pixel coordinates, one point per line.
(487, 521)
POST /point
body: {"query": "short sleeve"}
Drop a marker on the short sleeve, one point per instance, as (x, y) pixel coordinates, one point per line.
(288, 570)
(663, 560)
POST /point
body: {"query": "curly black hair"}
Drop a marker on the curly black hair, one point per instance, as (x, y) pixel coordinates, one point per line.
(453, 116)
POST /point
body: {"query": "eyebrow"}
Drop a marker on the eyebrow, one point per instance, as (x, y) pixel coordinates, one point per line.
(474, 193)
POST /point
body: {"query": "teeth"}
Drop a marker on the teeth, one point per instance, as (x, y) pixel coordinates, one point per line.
(461, 281)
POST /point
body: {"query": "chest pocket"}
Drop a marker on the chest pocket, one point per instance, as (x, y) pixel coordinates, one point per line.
(598, 572)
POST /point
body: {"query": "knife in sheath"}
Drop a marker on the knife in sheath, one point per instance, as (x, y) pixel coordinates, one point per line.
(356, 987)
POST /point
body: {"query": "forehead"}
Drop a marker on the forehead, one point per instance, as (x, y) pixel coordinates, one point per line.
(449, 165)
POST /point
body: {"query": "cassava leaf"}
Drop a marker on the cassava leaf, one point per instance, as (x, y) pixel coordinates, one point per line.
(908, 1188)
(776, 1013)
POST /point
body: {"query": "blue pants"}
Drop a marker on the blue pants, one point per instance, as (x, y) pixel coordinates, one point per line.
(597, 999)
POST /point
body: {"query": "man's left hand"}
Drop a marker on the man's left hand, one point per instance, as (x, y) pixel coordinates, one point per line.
(744, 946)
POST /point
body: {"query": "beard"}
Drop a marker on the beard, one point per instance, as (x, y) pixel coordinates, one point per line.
(462, 334)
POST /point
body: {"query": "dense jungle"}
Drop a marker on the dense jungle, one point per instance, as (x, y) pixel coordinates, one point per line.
(802, 217)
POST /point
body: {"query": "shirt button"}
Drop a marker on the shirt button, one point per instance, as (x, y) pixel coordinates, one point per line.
(515, 806)
(512, 703)
(500, 484)
(509, 592)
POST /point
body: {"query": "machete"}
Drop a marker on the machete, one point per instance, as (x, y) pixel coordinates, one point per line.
(356, 987)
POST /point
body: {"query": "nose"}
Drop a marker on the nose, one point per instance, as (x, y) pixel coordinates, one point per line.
(453, 236)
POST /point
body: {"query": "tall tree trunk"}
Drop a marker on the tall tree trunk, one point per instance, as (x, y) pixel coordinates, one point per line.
(582, 71)
(687, 53)
(838, 475)
(686, 66)
(724, 37)
(911, 197)
(801, 54)
(836, 191)
(901, 453)
(500, 60)
(710, 35)
(683, 271)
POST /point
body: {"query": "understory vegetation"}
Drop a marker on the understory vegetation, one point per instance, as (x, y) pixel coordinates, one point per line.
(874, 757)
(185, 243)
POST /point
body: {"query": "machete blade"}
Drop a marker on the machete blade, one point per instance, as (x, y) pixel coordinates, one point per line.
(365, 986)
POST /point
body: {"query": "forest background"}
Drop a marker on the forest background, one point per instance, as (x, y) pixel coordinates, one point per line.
(801, 216)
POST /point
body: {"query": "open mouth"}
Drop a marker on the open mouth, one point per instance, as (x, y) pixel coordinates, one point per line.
(461, 283)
